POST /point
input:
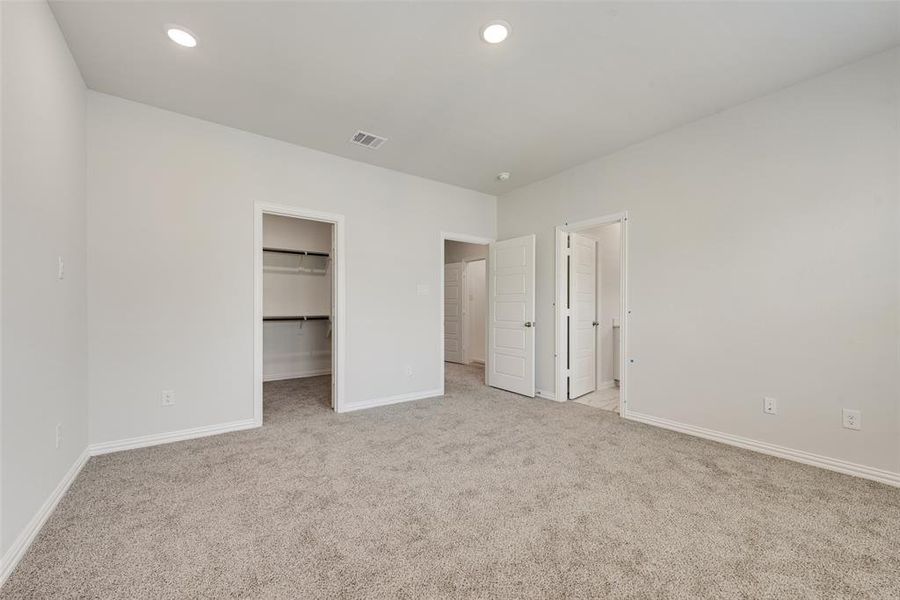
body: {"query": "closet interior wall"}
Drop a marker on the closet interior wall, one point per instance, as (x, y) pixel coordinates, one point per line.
(297, 285)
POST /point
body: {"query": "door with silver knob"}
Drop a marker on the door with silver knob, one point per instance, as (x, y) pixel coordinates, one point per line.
(511, 327)
(582, 316)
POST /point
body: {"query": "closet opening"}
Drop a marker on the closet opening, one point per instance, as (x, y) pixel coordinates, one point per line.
(464, 309)
(590, 305)
(297, 313)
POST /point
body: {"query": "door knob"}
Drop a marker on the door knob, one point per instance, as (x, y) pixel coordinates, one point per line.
(595, 323)
(529, 324)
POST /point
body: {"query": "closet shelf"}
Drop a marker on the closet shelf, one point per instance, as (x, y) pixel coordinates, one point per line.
(299, 318)
(297, 252)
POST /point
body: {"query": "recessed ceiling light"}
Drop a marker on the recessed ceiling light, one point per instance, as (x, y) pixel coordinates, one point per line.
(181, 36)
(504, 176)
(495, 32)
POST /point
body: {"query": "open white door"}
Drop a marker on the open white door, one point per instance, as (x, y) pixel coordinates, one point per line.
(511, 315)
(453, 313)
(582, 315)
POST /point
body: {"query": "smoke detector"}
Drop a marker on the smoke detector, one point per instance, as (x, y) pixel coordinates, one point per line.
(504, 176)
(368, 140)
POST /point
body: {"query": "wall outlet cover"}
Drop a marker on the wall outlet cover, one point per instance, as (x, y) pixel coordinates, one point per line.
(852, 419)
(770, 406)
(168, 398)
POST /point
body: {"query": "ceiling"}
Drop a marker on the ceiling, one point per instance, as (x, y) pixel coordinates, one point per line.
(574, 81)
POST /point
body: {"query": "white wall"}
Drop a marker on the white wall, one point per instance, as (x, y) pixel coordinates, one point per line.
(763, 260)
(293, 348)
(44, 345)
(170, 224)
(288, 233)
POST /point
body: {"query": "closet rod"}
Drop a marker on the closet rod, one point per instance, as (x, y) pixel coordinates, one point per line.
(299, 318)
(300, 252)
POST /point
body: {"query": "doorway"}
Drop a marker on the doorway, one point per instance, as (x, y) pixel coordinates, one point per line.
(591, 278)
(464, 309)
(298, 304)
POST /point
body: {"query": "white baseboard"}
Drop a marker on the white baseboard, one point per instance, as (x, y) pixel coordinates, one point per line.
(297, 375)
(547, 395)
(155, 439)
(606, 385)
(801, 456)
(20, 545)
(393, 400)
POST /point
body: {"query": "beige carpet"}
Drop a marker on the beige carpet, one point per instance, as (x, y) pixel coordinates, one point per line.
(480, 494)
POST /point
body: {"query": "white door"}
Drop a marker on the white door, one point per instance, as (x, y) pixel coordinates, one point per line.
(582, 315)
(511, 323)
(476, 290)
(453, 313)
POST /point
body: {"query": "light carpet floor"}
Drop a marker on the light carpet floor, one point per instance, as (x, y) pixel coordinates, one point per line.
(479, 494)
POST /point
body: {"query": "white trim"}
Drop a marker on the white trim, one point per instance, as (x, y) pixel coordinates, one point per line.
(559, 372)
(156, 439)
(339, 312)
(296, 375)
(393, 399)
(21, 544)
(545, 394)
(801, 456)
(561, 351)
(468, 239)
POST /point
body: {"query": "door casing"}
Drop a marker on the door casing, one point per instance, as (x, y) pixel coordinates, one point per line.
(339, 345)
(456, 237)
(562, 351)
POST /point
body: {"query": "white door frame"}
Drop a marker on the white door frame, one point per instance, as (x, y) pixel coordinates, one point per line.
(562, 350)
(469, 239)
(339, 314)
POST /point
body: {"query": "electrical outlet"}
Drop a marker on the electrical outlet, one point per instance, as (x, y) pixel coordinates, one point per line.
(58, 434)
(770, 406)
(409, 371)
(168, 398)
(852, 418)
(60, 267)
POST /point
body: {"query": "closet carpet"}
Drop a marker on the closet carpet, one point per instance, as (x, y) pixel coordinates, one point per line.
(479, 494)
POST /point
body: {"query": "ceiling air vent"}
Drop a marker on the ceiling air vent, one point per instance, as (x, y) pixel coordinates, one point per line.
(369, 140)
